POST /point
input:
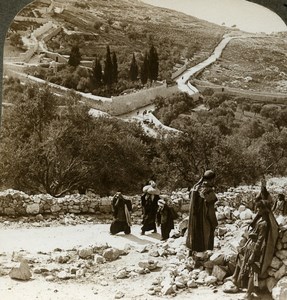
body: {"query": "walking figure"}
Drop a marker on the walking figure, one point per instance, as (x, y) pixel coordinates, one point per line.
(121, 212)
(149, 202)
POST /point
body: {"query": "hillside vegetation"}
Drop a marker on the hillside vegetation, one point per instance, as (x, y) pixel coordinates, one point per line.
(60, 150)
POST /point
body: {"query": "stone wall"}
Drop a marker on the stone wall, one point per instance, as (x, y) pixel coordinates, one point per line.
(31, 19)
(17, 203)
(43, 29)
(127, 103)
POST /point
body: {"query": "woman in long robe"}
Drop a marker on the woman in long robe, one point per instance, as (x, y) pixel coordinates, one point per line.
(202, 219)
(121, 212)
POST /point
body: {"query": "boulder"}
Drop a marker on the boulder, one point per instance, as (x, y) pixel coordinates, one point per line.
(21, 273)
(33, 209)
(279, 292)
(99, 259)
(111, 254)
(281, 272)
(85, 253)
(230, 287)
(218, 272)
(276, 263)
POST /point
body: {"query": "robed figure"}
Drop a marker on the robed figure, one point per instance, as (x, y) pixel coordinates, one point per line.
(149, 203)
(256, 255)
(202, 219)
(121, 208)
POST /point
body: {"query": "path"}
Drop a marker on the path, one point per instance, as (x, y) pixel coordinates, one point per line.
(182, 81)
(66, 237)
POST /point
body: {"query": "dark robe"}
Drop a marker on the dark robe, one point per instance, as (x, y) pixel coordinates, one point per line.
(165, 219)
(121, 212)
(150, 206)
(256, 255)
(202, 219)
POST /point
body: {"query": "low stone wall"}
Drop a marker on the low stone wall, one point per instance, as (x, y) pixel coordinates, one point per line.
(17, 203)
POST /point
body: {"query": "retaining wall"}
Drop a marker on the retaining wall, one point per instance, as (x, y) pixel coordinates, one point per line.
(52, 34)
(31, 19)
(16, 203)
(131, 102)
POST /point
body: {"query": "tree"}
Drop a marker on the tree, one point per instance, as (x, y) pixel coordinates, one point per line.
(97, 72)
(134, 69)
(16, 40)
(115, 67)
(144, 73)
(108, 69)
(44, 152)
(153, 64)
(182, 158)
(75, 56)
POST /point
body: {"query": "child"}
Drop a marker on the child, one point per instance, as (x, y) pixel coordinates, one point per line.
(165, 217)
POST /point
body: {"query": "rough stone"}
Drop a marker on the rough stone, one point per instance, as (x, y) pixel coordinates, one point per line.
(85, 253)
(279, 292)
(218, 272)
(111, 254)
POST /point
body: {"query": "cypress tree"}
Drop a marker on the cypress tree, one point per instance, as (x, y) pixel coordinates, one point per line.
(134, 70)
(153, 63)
(108, 69)
(115, 67)
(144, 73)
(75, 56)
(97, 72)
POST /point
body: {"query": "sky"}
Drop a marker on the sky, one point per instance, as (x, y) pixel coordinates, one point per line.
(246, 16)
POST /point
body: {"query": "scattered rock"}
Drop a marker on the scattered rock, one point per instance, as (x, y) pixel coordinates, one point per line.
(21, 273)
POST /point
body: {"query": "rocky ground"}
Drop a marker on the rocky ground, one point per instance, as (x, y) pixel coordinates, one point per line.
(85, 262)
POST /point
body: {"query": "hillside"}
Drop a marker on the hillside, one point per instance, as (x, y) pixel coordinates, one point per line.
(256, 63)
(127, 26)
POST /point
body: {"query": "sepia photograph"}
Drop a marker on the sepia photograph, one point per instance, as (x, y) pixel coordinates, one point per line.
(143, 149)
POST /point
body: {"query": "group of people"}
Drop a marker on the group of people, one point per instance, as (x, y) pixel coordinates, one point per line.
(253, 258)
(156, 212)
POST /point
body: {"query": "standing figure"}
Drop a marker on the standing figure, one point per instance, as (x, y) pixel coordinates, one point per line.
(202, 219)
(165, 217)
(264, 194)
(280, 205)
(121, 212)
(149, 204)
(256, 255)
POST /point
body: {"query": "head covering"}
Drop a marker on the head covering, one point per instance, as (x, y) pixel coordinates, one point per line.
(208, 174)
(151, 190)
(161, 202)
(152, 183)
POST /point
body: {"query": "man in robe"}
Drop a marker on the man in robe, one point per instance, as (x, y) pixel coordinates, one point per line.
(149, 202)
(121, 212)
